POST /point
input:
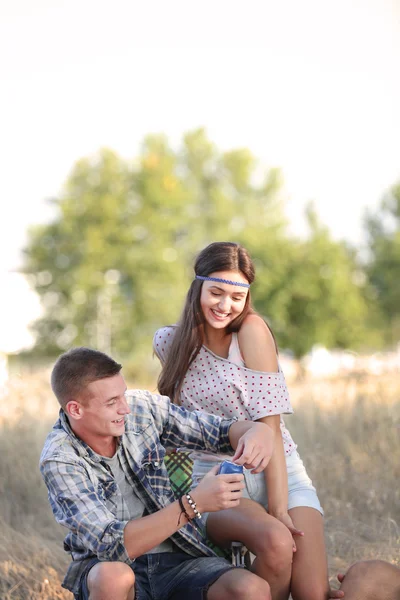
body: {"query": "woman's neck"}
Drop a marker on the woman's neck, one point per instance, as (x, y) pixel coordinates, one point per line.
(218, 341)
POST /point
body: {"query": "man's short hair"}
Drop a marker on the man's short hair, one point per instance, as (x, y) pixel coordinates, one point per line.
(78, 367)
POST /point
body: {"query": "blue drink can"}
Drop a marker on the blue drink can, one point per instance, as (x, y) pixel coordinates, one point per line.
(229, 467)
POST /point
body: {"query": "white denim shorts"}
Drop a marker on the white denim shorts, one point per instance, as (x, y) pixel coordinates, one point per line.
(300, 487)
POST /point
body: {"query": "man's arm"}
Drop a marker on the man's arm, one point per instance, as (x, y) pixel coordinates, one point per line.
(177, 427)
(77, 505)
(212, 494)
(145, 533)
(254, 446)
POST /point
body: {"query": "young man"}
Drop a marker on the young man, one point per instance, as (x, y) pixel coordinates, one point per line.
(103, 464)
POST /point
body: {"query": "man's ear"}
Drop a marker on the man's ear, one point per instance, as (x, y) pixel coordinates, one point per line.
(74, 409)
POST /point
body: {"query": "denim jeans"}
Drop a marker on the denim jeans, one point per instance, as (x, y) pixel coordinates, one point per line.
(170, 576)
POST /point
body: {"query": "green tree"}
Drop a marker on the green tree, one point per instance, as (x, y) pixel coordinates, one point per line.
(317, 294)
(383, 265)
(116, 261)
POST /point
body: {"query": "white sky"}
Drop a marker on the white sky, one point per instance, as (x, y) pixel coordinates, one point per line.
(310, 86)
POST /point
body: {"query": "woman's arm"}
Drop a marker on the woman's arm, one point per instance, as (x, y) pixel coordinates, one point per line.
(258, 349)
(276, 472)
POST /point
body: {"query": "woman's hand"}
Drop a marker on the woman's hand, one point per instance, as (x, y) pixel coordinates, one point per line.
(255, 446)
(287, 521)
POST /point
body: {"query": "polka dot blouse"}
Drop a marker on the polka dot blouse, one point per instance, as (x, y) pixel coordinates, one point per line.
(225, 387)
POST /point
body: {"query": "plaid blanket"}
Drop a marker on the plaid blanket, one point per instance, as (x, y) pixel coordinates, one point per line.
(179, 467)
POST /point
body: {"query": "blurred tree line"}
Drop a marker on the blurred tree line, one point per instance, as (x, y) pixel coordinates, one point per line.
(116, 261)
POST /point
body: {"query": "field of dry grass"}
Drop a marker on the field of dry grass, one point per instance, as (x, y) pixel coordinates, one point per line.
(348, 432)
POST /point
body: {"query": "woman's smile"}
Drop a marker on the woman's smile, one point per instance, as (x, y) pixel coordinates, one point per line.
(222, 302)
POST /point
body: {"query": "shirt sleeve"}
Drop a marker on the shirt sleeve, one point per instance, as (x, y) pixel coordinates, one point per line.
(162, 342)
(263, 394)
(177, 427)
(77, 505)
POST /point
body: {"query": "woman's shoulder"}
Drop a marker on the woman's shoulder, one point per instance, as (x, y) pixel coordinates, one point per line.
(254, 324)
(257, 344)
(162, 340)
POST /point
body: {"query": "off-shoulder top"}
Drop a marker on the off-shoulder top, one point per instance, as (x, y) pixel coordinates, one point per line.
(225, 387)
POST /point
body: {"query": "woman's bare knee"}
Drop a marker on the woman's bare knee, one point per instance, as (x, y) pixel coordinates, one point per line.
(274, 545)
(111, 581)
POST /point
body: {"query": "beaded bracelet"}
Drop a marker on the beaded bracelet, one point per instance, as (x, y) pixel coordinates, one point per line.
(183, 511)
(190, 520)
(192, 505)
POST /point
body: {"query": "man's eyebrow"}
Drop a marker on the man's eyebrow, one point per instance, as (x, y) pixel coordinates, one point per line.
(109, 399)
(114, 397)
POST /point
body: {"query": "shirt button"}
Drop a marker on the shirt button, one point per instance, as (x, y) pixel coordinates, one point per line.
(156, 463)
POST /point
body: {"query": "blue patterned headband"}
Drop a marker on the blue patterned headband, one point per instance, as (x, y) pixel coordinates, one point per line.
(246, 285)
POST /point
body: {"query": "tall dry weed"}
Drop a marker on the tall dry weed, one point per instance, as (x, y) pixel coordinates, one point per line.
(348, 434)
(347, 431)
(30, 565)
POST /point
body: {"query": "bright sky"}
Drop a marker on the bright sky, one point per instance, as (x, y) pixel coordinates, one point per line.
(311, 86)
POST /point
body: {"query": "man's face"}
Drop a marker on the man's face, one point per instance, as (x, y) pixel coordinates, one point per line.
(103, 408)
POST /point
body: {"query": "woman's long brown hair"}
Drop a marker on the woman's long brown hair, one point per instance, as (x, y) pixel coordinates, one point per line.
(189, 333)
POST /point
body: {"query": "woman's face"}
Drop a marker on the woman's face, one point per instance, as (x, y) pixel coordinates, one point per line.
(220, 302)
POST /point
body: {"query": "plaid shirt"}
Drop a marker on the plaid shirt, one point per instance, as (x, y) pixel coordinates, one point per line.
(82, 490)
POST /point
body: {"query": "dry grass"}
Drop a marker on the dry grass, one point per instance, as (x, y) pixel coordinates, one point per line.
(348, 433)
(31, 552)
(30, 565)
(348, 436)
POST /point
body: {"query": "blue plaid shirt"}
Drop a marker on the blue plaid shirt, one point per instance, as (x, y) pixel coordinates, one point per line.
(82, 490)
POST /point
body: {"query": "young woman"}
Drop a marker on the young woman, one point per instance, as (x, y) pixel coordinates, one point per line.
(222, 358)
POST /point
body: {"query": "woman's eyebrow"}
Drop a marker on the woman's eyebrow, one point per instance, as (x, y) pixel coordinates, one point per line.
(215, 287)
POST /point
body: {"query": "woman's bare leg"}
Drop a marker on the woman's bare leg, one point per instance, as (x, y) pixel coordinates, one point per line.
(263, 535)
(310, 569)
